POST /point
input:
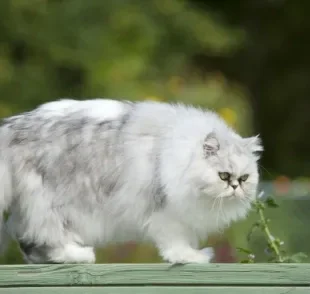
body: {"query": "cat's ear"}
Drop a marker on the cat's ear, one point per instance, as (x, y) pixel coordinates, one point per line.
(254, 145)
(211, 145)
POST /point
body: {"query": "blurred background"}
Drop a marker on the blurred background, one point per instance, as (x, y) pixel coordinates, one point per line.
(249, 60)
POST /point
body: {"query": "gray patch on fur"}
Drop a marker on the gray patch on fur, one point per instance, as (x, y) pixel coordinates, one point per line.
(159, 192)
(27, 248)
(160, 197)
(34, 253)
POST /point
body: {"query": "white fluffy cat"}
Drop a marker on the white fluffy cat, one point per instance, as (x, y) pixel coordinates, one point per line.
(79, 174)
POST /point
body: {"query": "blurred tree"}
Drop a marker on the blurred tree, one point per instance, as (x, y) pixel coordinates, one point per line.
(80, 48)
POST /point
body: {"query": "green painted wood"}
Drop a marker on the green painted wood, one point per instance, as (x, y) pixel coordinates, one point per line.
(156, 290)
(155, 274)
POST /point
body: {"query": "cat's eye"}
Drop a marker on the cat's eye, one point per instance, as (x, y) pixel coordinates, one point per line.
(224, 176)
(243, 178)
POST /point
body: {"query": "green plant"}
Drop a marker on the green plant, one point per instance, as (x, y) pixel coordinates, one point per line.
(274, 246)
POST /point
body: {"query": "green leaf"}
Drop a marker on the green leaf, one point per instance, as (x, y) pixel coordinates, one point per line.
(271, 203)
(243, 250)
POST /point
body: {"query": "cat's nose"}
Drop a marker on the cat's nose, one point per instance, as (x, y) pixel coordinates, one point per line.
(234, 186)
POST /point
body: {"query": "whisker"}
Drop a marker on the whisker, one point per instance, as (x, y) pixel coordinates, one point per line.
(269, 173)
(220, 211)
(214, 202)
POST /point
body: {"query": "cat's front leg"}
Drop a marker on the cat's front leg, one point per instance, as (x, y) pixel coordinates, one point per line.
(175, 243)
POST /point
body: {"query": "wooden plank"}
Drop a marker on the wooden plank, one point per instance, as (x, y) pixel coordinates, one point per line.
(155, 274)
(156, 290)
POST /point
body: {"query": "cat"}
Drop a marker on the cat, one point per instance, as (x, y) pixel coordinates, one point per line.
(76, 175)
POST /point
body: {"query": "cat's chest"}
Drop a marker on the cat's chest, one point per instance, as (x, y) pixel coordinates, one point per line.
(206, 217)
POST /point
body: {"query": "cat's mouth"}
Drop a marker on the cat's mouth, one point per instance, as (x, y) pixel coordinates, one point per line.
(226, 194)
(234, 195)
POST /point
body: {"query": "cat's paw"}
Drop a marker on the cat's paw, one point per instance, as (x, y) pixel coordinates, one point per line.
(209, 251)
(185, 255)
(72, 253)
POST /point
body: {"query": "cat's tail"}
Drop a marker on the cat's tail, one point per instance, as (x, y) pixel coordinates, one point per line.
(5, 200)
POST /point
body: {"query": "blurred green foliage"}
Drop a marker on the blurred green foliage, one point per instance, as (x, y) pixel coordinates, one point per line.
(117, 48)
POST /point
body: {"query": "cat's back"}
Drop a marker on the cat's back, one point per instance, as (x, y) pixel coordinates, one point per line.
(66, 109)
(54, 120)
(100, 108)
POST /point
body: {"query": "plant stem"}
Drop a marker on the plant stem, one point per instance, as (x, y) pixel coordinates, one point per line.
(266, 230)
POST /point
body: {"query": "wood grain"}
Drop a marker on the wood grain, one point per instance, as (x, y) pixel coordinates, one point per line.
(156, 290)
(155, 274)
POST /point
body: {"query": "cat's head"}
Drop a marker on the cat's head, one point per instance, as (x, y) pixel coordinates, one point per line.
(230, 168)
